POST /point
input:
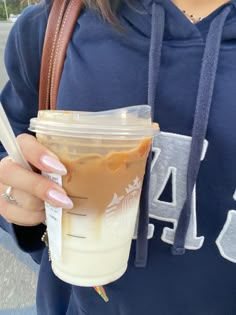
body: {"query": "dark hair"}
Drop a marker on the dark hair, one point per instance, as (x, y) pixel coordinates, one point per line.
(107, 8)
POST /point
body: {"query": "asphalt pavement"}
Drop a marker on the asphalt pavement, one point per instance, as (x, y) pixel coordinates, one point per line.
(5, 28)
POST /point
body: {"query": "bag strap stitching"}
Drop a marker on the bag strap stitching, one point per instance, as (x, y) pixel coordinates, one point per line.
(51, 56)
(65, 18)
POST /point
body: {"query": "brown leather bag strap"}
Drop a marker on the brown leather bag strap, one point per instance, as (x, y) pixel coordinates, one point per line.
(52, 30)
(61, 22)
(70, 18)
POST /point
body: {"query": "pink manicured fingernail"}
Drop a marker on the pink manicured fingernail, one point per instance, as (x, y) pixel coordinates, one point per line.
(59, 198)
(55, 165)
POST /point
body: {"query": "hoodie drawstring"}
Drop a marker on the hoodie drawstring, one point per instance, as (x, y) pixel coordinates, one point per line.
(201, 117)
(157, 32)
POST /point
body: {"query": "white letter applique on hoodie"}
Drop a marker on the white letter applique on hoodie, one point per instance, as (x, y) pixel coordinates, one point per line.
(171, 154)
(226, 241)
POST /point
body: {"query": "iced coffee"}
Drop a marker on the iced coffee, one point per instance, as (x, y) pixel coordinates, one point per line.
(104, 180)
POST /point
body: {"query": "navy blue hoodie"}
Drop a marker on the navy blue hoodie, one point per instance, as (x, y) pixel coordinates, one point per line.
(187, 73)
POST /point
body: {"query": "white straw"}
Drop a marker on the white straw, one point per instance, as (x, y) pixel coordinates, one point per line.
(9, 142)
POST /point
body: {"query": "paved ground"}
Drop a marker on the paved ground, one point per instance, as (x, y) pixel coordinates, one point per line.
(18, 273)
(4, 30)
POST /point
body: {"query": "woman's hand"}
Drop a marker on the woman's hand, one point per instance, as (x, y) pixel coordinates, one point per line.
(31, 189)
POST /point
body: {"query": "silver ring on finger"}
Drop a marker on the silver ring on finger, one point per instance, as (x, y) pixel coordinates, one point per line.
(7, 196)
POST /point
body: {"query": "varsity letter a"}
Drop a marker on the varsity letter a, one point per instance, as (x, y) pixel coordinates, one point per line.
(171, 154)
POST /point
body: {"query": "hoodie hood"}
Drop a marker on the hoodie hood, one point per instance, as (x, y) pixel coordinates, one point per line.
(175, 18)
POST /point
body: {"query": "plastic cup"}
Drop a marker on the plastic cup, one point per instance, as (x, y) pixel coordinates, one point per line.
(105, 155)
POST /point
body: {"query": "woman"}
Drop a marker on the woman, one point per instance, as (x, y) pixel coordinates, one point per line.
(180, 58)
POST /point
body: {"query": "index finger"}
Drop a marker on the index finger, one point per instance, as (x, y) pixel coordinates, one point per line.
(39, 156)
